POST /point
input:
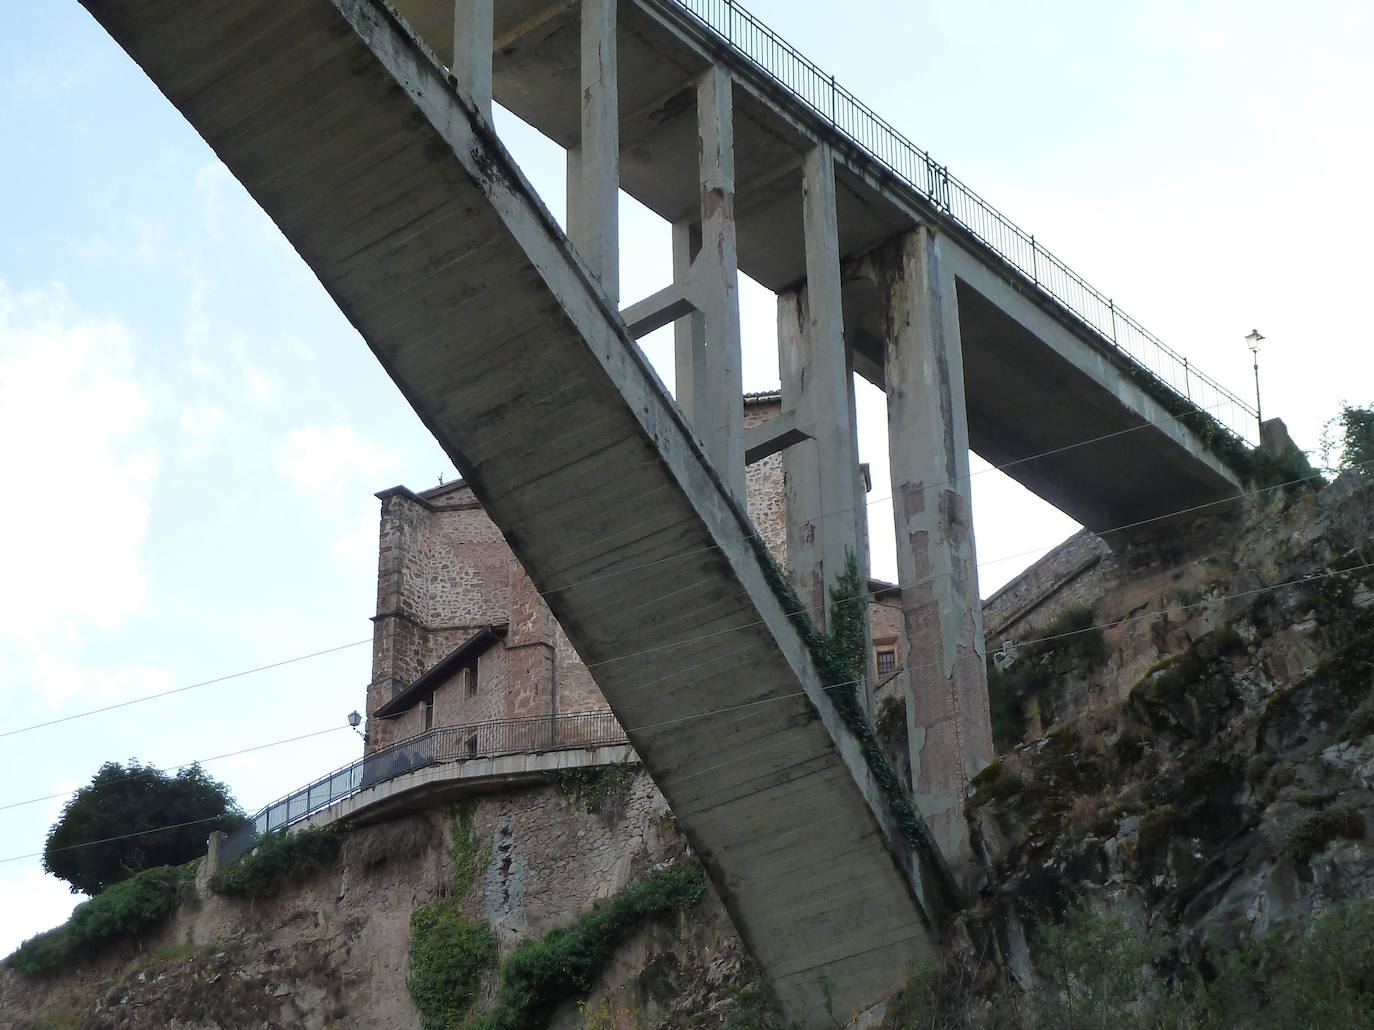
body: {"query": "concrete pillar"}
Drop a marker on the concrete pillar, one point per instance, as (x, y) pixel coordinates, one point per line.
(472, 36)
(594, 164)
(717, 411)
(947, 698)
(214, 854)
(820, 473)
(689, 332)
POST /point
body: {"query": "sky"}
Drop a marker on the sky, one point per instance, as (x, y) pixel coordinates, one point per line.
(192, 433)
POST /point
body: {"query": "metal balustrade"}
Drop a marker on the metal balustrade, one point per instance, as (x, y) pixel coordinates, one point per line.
(441, 744)
(1017, 248)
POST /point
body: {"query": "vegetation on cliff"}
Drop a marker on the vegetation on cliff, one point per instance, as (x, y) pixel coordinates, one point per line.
(279, 858)
(123, 910)
(543, 972)
(135, 817)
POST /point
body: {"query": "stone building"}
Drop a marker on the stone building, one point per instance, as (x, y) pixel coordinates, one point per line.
(462, 638)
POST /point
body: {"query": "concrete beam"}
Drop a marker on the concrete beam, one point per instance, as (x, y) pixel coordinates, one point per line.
(780, 432)
(948, 724)
(594, 164)
(658, 309)
(472, 42)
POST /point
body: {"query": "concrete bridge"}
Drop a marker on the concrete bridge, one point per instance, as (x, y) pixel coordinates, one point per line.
(364, 131)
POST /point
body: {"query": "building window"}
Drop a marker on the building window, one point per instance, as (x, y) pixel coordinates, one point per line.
(887, 660)
(470, 680)
(428, 706)
(470, 746)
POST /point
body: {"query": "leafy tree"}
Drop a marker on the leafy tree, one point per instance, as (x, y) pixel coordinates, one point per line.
(134, 817)
(1349, 439)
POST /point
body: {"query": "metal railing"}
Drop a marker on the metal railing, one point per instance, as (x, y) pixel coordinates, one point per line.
(441, 744)
(850, 116)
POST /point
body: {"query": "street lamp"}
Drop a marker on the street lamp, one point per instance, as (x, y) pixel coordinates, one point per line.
(1254, 341)
(353, 720)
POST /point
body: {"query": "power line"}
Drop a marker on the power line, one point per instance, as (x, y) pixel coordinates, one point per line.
(810, 610)
(829, 687)
(182, 690)
(183, 765)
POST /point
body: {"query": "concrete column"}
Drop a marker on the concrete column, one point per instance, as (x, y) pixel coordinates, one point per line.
(689, 332)
(472, 36)
(594, 165)
(947, 698)
(717, 410)
(820, 473)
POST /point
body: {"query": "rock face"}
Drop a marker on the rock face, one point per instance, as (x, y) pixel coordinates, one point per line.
(1202, 761)
(332, 950)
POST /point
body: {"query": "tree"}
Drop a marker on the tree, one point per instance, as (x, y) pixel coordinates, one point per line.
(1349, 440)
(133, 818)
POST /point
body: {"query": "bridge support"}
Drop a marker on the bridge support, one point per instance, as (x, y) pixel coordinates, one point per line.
(594, 164)
(710, 378)
(472, 35)
(948, 724)
(825, 491)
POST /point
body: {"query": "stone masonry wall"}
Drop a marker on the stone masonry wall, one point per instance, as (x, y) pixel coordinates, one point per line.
(331, 950)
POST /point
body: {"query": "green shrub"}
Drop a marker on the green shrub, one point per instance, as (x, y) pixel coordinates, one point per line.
(279, 858)
(597, 786)
(1155, 827)
(448, 955)
(757, 1007)
(121, 910)
(1096, 971)
(1321, 828)
(1005, 709)
(994, 783)
(1361, 721)
(543, 972)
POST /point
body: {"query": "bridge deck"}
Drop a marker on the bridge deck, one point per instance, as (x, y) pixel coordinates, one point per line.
(425, 233)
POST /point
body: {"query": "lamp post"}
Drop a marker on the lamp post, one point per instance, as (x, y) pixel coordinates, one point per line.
(1254, 341)
(353, 719)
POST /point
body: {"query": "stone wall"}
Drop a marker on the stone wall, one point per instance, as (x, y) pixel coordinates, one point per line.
(332, 950)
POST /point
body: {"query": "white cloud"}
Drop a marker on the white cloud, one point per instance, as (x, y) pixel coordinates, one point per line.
(32, 903)
(73, 416)
(61, 680)
(326, 461)
(358, 547)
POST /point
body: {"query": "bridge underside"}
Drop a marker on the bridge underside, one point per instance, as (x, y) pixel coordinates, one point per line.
(1035, 380)
(423, 230)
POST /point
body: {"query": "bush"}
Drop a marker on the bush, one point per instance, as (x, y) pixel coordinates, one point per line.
(1320, 829)
(544, 972)
(448, 955)
(1096, 970)
(1348, 440)
(279, 858)
(139, 818)
(120, 911)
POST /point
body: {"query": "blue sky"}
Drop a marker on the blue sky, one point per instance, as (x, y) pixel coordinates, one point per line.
(193, 434)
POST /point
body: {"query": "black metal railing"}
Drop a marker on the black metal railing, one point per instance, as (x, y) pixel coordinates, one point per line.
(441, 744)
(1017, 248)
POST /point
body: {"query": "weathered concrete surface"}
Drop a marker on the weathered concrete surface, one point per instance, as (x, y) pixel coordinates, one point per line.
(422, 228)
(948, 726)
(1037, 380)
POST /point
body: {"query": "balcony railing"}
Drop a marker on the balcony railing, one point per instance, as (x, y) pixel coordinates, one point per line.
(1016, 248)
(441, 744)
